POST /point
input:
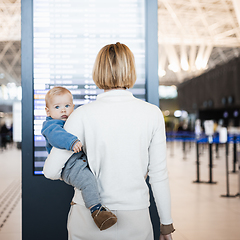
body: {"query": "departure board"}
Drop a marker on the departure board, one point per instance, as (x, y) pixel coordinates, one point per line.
(67, 35)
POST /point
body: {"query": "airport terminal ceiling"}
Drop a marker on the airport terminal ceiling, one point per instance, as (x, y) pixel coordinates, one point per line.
(194, 36)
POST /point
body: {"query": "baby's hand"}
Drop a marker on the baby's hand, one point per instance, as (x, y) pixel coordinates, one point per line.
(77, 147)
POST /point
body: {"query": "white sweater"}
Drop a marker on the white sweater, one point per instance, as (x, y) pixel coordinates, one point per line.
(124, 139)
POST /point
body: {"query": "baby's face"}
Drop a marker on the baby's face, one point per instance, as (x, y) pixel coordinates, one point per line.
(60, 107)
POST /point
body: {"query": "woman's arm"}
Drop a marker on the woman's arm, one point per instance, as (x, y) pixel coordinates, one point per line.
(55, 162)
(158, 173)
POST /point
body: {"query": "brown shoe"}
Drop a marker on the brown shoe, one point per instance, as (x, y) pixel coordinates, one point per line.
(104, 218)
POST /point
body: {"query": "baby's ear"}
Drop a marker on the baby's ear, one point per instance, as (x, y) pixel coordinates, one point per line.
(47, 111)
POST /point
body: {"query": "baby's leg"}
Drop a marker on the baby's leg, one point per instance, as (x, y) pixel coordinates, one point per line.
(77, 174)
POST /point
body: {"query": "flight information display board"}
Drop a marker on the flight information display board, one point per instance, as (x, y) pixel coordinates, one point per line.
(67, 35)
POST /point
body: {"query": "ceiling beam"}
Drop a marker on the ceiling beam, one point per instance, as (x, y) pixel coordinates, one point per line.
(192, 57)
(184, 57)
(223, 42)
(232, 21)
(236, 5)
(7, 77)
(206, 56)
(174, 17)
(162, 60)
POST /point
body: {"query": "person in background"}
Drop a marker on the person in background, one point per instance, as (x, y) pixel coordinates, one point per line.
(59, 106)
(124, 139)
(5, 135)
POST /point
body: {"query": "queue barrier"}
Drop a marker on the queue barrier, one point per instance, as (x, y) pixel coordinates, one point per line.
(203, 139)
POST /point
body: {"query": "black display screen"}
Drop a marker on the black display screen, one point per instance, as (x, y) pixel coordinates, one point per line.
(67, 35)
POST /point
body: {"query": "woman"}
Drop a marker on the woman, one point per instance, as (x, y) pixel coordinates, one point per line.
(124, 140)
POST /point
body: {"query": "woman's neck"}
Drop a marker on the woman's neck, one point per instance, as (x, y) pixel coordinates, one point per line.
(120, 88)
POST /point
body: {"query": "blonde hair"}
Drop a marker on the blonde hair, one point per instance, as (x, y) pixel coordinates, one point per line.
(114, 67)
(55, 91)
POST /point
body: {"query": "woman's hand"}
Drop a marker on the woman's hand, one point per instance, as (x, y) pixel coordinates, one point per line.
(166, 237)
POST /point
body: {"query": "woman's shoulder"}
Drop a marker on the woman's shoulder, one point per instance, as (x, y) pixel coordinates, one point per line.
(137, 104)
(85, 107)
(148, 106)
(150, 112)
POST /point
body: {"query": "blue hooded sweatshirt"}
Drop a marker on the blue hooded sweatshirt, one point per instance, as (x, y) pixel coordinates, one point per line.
(56, 135)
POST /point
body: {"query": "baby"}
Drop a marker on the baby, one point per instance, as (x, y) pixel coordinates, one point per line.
(59, 106)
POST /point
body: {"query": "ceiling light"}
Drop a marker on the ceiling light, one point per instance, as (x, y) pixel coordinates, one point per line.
(173, 67)
(166, 113)
(178, 113)
(161, 72)
(184, 65)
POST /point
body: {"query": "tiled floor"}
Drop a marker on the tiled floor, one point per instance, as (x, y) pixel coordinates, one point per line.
(10, 194)
(198, 210)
